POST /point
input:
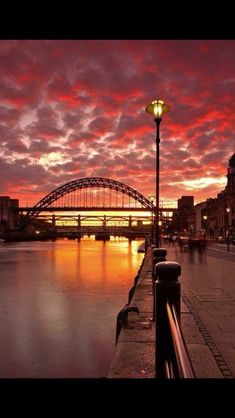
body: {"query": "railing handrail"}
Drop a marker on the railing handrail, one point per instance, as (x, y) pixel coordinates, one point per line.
(184, 364)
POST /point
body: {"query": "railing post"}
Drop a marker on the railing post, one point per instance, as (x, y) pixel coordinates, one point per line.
(159, 254)
(167, 289)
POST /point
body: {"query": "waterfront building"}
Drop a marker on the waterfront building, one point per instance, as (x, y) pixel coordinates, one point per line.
(8, 218)
(216, 217)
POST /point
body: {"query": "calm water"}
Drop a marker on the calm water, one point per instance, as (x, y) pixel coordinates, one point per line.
(58, 305)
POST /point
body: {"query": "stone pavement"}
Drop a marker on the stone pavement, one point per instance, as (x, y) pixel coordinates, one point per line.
(207, 318)
(134, 354)
(208, 290)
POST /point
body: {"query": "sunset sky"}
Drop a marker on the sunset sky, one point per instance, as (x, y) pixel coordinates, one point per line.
(73, 109)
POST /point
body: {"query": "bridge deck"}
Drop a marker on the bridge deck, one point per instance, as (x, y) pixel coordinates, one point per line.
(90, 209)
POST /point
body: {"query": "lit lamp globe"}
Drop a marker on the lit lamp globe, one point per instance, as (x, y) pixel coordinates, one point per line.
(151, 198)
(157, 108)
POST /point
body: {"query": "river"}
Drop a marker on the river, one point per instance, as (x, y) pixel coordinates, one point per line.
(58, 305)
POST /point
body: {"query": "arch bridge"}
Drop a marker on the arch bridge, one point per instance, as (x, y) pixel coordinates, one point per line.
(91, 194)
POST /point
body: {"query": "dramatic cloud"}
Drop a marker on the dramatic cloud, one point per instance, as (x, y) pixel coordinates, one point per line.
(71, 109)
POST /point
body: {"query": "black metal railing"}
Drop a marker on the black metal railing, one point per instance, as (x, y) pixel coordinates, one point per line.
(178, 365)
(172, 358)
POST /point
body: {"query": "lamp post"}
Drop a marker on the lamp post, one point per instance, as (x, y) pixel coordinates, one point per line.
(228, 210)
(205, 223)
(160, 231)
(157, 108)
(152, 198)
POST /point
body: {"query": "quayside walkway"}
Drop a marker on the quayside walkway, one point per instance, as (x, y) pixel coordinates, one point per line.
(207, 316)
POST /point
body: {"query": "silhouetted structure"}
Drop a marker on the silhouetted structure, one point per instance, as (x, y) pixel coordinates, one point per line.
(216, 217)
(8, 217)
(186, 202)
(180, 217)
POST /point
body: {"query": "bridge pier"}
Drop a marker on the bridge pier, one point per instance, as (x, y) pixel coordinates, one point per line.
(130, 221)
(79, 221)
(102, 236)
(53, 222)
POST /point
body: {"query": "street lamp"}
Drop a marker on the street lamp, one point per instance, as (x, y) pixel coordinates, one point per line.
(157, 108)
(160, 231)
(152, 198)
(205, 223)
(228, 210)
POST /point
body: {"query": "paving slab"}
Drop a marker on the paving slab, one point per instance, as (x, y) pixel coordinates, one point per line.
(190, 330)
(204, 363)
(133, 360)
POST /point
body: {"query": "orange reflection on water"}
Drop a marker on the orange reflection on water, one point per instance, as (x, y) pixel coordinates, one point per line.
(113, 262)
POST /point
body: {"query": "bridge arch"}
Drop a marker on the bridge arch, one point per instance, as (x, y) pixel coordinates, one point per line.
(87, 182)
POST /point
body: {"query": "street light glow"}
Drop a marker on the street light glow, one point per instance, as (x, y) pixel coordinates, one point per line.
(152, 198)
(157, 111)
(157, 108)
